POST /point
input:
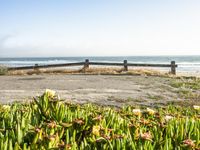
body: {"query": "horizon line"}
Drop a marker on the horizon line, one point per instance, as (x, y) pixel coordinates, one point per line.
(103, 56)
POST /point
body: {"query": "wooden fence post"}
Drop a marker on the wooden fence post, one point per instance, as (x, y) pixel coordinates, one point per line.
(36, 67)
(173, 67)
(86, 65)
(125, 65)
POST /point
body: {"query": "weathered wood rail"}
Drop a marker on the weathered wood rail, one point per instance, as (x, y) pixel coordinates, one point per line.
(87, 63)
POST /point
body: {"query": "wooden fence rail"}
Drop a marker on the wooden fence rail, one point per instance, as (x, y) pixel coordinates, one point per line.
(87, 63)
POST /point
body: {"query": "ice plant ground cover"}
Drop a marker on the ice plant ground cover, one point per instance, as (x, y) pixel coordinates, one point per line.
(49, 123)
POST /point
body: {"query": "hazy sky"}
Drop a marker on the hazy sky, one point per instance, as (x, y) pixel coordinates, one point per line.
(99, 27)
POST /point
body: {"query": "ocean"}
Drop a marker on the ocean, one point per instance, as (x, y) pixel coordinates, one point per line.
(185, 63)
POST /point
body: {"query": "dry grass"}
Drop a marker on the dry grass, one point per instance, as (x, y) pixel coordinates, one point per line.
(93, 71)
(3, 70)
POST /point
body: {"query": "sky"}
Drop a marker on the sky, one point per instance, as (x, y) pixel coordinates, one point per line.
(53, 28)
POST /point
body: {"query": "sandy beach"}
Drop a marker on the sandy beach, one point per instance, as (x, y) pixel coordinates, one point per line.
(114, 90)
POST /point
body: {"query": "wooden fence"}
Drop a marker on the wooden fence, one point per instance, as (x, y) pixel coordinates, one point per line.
(87, 63)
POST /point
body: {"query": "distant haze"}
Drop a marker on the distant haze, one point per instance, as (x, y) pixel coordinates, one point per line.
(39, 28)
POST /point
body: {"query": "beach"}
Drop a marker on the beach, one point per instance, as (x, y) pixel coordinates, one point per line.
(99, 75)
(116, 90)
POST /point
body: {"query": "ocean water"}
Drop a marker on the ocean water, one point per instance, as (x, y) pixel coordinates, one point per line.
(185, 63)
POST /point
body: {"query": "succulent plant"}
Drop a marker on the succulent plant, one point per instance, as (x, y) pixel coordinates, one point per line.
(48, 123)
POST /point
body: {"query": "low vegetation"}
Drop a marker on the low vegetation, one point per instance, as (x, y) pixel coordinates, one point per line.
(3, 70)
(187, 88)
(49, 123)
(191, 83)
